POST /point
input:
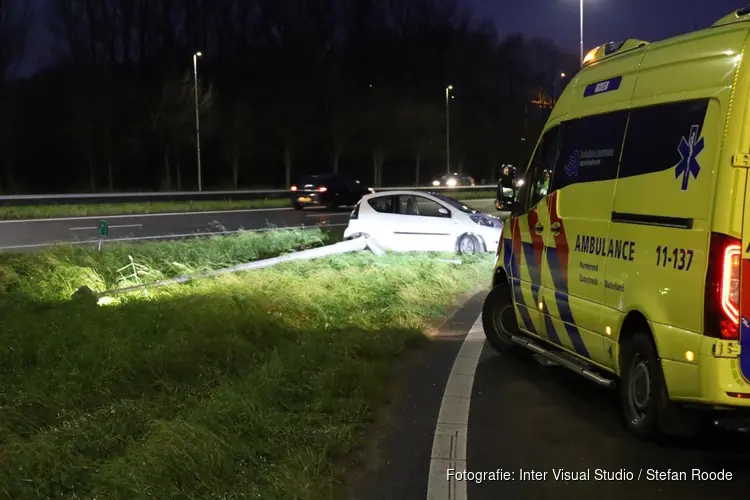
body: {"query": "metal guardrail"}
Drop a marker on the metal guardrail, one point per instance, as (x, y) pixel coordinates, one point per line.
(92, 198)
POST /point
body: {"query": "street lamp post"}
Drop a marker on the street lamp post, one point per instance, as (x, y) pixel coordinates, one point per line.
(448, 129)
(197, 119)
(581, 9)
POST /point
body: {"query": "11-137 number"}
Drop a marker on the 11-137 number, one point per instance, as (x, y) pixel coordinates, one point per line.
(679, 258)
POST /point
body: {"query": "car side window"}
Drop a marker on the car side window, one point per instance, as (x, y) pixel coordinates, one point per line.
(540, 172)
(382, 204)
(419, 205)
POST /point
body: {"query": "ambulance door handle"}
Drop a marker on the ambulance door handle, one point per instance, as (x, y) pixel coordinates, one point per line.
(555, 228)
(538, 228)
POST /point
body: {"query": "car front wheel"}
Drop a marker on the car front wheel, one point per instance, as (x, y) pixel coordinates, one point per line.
(469, 244)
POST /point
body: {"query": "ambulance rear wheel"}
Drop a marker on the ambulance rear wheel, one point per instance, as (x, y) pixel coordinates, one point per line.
(642, 386)
(646, 407)
(499, 320)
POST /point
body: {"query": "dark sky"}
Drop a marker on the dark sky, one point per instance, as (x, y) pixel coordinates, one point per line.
(603, 20)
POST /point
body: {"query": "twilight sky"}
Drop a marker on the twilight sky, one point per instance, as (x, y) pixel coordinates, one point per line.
(603, 20)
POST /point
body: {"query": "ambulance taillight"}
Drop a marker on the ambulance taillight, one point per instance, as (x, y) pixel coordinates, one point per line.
(722, 298)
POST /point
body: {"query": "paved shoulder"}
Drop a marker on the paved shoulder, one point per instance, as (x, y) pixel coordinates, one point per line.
(399, 466)
(532, 421)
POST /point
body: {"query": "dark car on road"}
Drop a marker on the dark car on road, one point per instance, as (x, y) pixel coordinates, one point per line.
(328, 190)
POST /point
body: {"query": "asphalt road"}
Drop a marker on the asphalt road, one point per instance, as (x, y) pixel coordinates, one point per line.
(35, 233)
(532, 418)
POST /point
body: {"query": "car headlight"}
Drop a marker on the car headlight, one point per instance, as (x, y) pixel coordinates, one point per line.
(435, 183)
(450, 182)
(484, 220)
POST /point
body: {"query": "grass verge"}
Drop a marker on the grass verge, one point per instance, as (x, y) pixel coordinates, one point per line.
(56, 272)
(104, 209)
(246, 386)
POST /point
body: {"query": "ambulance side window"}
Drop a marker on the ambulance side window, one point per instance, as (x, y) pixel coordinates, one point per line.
(539, 174)
(589, 149)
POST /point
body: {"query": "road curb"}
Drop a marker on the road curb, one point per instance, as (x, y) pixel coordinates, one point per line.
(398, 465)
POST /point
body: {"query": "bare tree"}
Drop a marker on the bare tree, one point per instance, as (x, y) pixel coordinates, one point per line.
(174, 121)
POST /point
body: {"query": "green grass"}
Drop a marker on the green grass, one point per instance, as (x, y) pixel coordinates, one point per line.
(103, 209)
(57, 272)
(252, 385)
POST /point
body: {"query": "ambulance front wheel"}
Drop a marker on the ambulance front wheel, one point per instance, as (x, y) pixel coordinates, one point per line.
(499, 320)
(646, 407)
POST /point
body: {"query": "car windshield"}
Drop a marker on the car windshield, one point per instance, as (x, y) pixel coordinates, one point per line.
(455, 204)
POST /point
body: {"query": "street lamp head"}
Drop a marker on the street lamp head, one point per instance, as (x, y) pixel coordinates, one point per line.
(198, 54)
(450, 87)
(562, 75)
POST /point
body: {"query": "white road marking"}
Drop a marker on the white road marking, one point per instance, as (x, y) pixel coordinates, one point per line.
(163, 237)
(452, 429)
(337, 214)
(111, 227)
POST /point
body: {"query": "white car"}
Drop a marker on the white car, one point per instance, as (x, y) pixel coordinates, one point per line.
(408, 221)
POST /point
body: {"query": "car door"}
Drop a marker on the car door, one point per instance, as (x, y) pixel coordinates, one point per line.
(425, 225)
(529, 224)
(382, 221)
(580, 203)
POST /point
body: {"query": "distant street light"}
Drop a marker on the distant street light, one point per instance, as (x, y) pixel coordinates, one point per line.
(197, 119)
(448, 129)
(562, 75)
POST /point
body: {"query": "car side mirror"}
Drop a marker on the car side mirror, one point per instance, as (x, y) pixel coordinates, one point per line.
(444, 212)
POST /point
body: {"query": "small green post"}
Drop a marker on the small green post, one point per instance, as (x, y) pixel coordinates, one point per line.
(103, 233)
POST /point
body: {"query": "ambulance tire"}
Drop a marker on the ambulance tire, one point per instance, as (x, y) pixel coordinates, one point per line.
(658, 415)
(499, 321)
(641, 371)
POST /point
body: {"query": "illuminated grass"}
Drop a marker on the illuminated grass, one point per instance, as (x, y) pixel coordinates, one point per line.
(103, 209)
(55, 273)
(247, 386)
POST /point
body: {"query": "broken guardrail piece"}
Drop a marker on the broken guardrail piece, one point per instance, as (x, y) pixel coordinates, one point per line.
(353, 245)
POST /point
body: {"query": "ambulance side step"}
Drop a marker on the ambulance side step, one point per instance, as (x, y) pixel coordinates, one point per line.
(568, 362)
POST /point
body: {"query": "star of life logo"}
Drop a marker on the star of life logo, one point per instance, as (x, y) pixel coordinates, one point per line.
(689, 149)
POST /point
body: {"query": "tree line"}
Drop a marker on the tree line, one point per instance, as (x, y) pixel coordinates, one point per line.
(284, 88)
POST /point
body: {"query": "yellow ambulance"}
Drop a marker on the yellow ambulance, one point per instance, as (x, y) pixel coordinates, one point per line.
(626, 257)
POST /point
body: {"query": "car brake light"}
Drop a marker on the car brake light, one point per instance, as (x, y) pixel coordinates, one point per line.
(293, 188)
(322, 189)
(722, 299)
